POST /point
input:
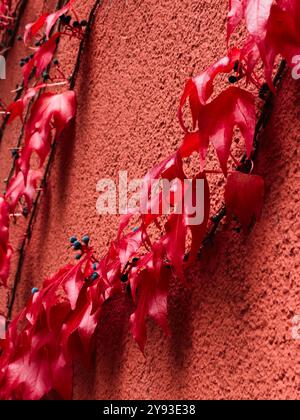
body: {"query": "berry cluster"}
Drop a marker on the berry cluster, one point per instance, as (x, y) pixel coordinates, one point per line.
(83, 247)
(79, 245)
(26, 60)
(66, 20)
(130, 264)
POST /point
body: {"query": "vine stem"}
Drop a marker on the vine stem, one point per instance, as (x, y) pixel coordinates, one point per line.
(34, 211)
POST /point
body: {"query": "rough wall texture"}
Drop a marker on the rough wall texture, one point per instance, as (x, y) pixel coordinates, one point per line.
(231, 323)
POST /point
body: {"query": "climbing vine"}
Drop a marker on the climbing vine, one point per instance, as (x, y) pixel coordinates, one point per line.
(59, 323)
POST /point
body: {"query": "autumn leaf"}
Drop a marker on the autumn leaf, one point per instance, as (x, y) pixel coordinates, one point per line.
(244, 196)
(16, 109)
(234, 107)
(41, 58)
(17, 189)
(49, 20)
(151, 286)
(48, 112)
(199, 89)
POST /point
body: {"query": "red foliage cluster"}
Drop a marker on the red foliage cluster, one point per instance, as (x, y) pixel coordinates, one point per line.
(49, 114)
(58, 325)
(273, 26)
(59, 322)
(6, 18)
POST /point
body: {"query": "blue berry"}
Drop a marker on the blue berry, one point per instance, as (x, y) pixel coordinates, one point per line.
(34, 290)
(232, 79)
(95, 265)
(124, 278)
(135, 229)
(45, 75)
(25, 211)
(73, 239)
(86, 239)
(15, 154)
(94, 276)
(78, 256)
(77, 245)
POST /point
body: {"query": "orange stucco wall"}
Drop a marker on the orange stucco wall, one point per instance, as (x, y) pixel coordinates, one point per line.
(231, 324)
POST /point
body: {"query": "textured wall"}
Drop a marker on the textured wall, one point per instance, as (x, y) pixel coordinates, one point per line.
(231, 323)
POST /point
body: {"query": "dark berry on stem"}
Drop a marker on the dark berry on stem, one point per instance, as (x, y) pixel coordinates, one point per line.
(15, 153)
(78, 256)
(232, 79)
(95, 265)
(263, 90)
(83, 23)
(34, 290)
(25, 211)
(73, 239)
(20, 38)
(94, 276)
(77, 245)
(45, 75)
(55, 61)
(76, 24)
(86, 239)
(124, 278)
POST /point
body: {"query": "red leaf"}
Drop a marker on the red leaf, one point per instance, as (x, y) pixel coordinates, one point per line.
(152, 291)
(273, 27)
(283, 36)
(256, 13)
(31, 29)
(244, 196)
(5, 248)
(200, 88)
(50, 20)
(41, 58)
(194, 142)
(28, 376)
(53, 17)
(233, 107)
(18, 189)
(16, 109)
(199, 230)
(48, 109)
(72, 284)
(175, 242)
(235, 15)
(5, 258)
